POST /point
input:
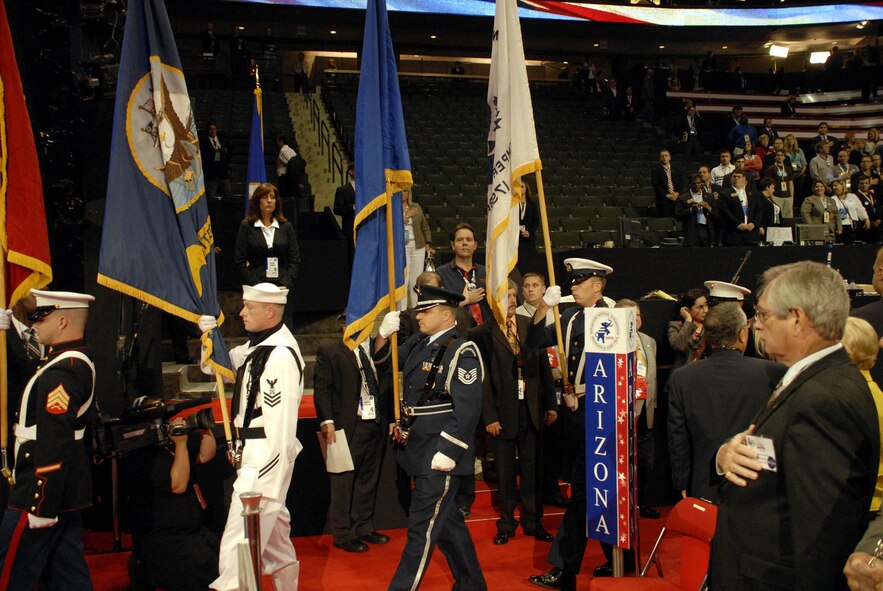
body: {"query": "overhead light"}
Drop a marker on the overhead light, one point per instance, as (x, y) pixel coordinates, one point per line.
(662, 47)
(333, 32)
(565, 63)
(725, 46)
(596, 45)
(778, 51)
(432, 36)
(819, 57)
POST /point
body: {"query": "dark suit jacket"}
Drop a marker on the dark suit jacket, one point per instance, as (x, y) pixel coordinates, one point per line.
(685, 212)
(337, 386)
(732, 215)
(660, 187)
(530, 221)
(215, 163)
(501, 382)
(709, 401)
(794, 529)
(251, 252)
(345, 207)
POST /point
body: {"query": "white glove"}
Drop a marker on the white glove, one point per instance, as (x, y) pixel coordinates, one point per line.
(207, 323)
(35, 522)
(442, 463)
(5, 319)
(552, 297)
(390, 324)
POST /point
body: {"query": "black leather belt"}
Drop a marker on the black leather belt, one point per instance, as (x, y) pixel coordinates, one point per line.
(251, 433)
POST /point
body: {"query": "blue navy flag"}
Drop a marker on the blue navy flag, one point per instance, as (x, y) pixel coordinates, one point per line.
(256, 174)
(157, 243)
(383, 170)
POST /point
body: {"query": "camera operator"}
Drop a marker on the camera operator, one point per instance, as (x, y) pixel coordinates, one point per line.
(177, 551)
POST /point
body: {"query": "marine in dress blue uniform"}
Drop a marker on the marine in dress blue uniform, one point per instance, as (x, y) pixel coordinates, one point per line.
(442, 377)
(587, 280)
(41, 535)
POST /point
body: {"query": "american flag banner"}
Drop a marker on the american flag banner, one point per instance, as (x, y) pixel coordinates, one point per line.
(610, 366)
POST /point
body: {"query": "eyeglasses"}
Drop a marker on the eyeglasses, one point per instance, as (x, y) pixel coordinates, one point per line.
(763, 315)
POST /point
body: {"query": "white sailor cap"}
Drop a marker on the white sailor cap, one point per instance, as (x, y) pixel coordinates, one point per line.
(265, 293)
(721, 290)
(581, 269)
(49, 301)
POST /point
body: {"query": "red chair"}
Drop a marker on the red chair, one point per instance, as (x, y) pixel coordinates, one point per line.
(695, 521)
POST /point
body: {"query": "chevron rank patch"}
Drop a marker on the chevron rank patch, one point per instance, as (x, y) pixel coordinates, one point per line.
(272, 398)
(58, 401)
(467, 377)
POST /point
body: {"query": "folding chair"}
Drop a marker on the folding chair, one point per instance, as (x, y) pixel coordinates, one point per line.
(695, 521)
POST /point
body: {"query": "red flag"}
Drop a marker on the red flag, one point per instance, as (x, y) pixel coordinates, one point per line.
(23, 236)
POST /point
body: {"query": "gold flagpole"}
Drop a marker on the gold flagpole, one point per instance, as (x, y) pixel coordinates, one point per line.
(391, 277)
(562, 362)
(4, 394)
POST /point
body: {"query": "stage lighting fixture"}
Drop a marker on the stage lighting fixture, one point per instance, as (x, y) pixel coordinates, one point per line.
(819, 57)
(778, 51)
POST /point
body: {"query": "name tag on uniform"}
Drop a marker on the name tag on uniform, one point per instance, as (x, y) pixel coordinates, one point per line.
(273, 267)
(217, 156)
(766, 451)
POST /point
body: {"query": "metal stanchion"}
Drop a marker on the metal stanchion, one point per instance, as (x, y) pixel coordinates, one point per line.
(251, 515)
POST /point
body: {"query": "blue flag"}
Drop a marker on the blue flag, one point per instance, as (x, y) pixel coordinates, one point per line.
(383, 170)
(257, 172)
(157, 244)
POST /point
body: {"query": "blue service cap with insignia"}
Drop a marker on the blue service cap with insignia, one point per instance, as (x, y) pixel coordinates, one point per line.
(578, 270)
(50, 301)
(431, 296)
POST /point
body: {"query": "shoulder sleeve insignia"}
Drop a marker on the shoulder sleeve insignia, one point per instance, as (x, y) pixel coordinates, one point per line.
(467, 377)
(272, 398)
(58, 401)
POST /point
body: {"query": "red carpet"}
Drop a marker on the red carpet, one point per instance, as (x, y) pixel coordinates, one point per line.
(325, 568)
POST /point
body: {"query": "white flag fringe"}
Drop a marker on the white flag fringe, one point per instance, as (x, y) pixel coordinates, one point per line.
(512, 151)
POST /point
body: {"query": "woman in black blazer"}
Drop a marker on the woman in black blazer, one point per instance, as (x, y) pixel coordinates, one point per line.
(255, 259)
(528, 220)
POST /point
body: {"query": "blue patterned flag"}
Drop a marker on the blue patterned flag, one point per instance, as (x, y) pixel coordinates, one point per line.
(157, 242)
(383, 170)
(257, 172)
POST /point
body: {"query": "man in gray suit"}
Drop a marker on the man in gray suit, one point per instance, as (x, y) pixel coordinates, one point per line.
(711, 399)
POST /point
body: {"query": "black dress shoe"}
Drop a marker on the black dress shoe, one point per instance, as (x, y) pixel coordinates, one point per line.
(353, 546)
(502, 538)
(549, 580)
(375, 537)
(605, 570)
(649, 512)
(557, 500)
(541, 534)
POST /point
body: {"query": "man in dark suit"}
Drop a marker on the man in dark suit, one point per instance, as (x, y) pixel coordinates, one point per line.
(789, 518)
(713, 398)
(667, 184)
(689, 130)
(349, 403)
(215, 163)
(694, 212)
(442, 378)
(740, 212)
(519, 401)
(345, 207)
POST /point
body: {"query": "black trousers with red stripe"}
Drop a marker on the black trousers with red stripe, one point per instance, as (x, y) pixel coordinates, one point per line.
(51, 557)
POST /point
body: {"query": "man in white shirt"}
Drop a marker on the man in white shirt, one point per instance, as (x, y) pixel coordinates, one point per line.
(796, 498)
(723, 169)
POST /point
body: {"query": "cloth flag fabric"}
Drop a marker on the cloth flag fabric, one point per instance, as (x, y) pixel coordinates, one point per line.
(512, 151)
(610, 456)
(256, 172)
(23, 236)
(383, 170)
(157, 243)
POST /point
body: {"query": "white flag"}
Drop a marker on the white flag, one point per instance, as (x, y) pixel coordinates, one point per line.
(512, 151)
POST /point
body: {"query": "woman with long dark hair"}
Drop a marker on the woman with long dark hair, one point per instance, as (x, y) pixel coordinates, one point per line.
(687, 335)
(266, 245)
